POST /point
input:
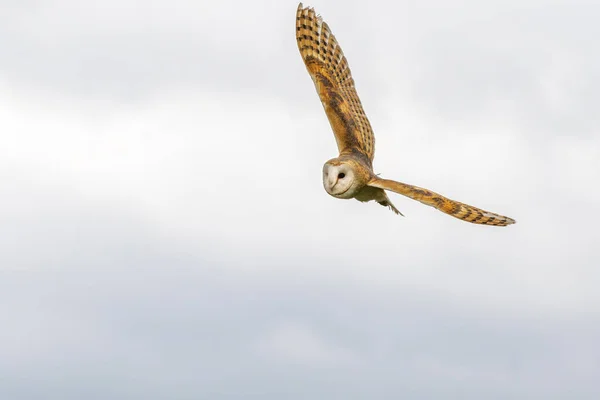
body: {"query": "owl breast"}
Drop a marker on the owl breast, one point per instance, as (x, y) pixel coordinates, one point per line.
(368, 193)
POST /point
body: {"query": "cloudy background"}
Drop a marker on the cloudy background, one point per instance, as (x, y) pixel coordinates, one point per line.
(164, 233)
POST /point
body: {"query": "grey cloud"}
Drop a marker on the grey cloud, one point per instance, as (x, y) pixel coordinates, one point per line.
(532, 63)
(125, 313)
(128, 66)
(181, 332)
(128, 50)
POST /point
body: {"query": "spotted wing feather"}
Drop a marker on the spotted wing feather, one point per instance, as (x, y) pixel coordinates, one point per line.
(331, 75)
(457, 209)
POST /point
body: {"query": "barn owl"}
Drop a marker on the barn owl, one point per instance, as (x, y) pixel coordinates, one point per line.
(350, 175)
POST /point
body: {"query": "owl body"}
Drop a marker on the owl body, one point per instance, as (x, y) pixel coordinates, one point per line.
(350, 175)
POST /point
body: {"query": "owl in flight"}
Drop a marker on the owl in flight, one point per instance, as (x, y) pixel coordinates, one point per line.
(350, 175)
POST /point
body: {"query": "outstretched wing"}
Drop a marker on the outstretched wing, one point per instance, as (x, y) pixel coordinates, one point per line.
(329, 71)
(456, 209)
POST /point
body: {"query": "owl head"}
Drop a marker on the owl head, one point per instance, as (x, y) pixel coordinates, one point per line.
(343, 178)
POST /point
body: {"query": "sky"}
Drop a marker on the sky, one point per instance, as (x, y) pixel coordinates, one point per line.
(164, 232)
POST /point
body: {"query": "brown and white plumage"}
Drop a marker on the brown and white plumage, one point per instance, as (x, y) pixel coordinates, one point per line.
(350, 175)
(329, 71)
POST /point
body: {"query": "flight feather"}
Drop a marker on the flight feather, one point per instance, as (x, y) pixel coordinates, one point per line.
(331, 75)
(454, 208)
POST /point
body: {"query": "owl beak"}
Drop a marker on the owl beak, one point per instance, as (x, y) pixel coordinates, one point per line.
(332, 180)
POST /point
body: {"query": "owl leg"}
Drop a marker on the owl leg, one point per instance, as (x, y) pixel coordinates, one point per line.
(383, 199)
(387, 203)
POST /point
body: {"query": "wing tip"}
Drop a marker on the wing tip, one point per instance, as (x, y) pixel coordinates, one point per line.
(510, 221)
(497, 219)
(306, 11)
(301, 8)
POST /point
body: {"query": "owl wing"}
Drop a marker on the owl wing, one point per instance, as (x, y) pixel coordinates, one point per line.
(455, 208)
(331, 75)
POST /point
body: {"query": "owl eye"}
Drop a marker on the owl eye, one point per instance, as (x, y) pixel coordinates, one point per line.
(341, 175)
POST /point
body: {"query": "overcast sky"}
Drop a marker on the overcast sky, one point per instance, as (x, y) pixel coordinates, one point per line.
(164, 233)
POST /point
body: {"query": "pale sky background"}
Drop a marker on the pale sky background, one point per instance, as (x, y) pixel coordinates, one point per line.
(164, 233)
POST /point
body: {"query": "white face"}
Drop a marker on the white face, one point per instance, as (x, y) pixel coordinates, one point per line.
(338, 180)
